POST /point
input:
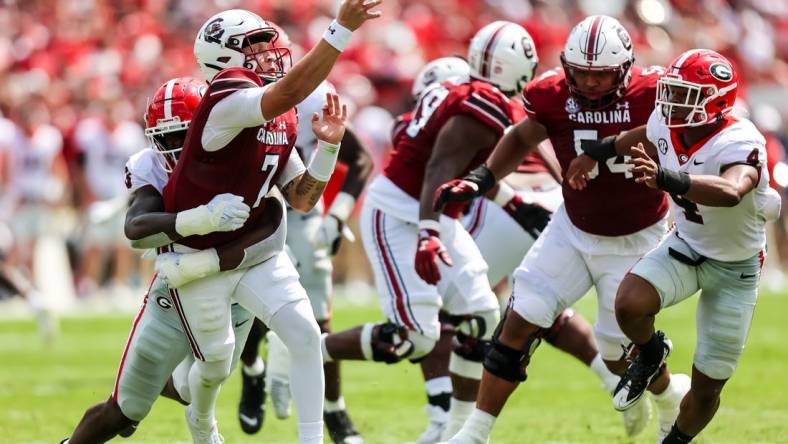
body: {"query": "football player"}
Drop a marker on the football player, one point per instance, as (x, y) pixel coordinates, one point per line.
(713, 166)
(424, 261)
(312, 239)
(157, 342)
(596, 235)
(240, 141)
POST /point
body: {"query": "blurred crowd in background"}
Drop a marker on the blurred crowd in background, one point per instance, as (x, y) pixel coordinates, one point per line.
(75, 76)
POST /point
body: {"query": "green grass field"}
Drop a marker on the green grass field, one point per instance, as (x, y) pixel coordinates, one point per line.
(45, 390)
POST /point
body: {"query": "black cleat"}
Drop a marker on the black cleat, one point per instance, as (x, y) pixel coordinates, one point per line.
(340, 428)
(128, 431)
(251, 409)
(639, 375)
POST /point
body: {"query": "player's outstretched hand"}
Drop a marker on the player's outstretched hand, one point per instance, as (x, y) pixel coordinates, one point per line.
(331, 127)
(353, 13)
(645, 168)
(577, 173)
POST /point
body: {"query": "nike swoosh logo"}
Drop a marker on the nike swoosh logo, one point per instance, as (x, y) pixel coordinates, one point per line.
(695, 162)
(247, 420)
(747, 276)
(241, 323)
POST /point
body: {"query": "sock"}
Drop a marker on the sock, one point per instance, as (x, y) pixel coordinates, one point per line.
(205, 380)
(439, 392)
(255, 369)
(478, 426)
(652, 350)
(608, 378)
(660, 397)
(310, 432)
(458, 413)
(334, 406)
(676, 436)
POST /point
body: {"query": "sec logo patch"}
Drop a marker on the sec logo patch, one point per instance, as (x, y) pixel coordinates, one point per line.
(662, 144)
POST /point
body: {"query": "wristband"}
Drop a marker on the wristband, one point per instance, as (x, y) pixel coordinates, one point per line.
(602, 150)
(483, 177)
(337, 36)
(193, 221)
(430, 225)
(342, 206)
(504, 195)
(322, 165)
(674, 182)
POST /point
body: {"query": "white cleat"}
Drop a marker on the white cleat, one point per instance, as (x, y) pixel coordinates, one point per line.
(203, 433)
(669, 403)
(638, 416)
(438, 420)
(279, 389)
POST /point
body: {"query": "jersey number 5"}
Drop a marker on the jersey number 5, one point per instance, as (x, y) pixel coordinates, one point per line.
(613, 164)
(269, 166)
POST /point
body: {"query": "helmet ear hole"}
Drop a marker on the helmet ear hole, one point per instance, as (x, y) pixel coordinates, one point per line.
(223, 59)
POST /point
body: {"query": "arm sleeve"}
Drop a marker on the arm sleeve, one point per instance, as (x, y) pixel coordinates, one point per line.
(230, 115)
(294, 168)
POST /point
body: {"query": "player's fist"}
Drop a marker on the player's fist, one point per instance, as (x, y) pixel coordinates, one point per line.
(353, 13)
(532, 217)
(579, 172)
(330, 127)
(329, 234)
(430, 249)
(475, 183)
(178, 269)
(225, 212)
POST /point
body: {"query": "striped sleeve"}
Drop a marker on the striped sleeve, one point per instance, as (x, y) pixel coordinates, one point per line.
(489, 111)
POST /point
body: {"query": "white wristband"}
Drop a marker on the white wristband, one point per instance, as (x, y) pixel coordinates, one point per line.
(193, 221)
(429, 224)
(504, 195)
(323, 161)
(201, 263)
(337, 36)
(342, 206)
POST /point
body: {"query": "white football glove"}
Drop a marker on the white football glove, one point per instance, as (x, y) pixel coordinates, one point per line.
(329, 233)
(225, 212)
(178, 269)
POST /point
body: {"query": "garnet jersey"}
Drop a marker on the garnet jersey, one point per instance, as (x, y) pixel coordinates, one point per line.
(612, 204)
(722, 233)
(413, 142)
(243, 156)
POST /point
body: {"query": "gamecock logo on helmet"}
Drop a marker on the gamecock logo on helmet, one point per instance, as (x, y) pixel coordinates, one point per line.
(214, 31)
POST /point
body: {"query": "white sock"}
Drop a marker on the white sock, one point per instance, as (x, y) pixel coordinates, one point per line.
(436, 386)
(458, 413)
(334, 406)
(608, 378)
(296, 327)
(660, 398)
(205, 380)
(478, 426)
(310, 432)
(255, 369)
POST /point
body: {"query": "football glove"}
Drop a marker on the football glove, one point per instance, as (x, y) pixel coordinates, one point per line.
(477, 182)
(225, 212)
(329, 235)
(430, 248)
(532, 217)
(178, 269)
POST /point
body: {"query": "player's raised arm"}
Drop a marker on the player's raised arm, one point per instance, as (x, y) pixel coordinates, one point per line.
(307, 74)
(303, 189)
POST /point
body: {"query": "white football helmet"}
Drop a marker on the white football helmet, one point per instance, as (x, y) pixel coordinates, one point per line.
(598, 43)
(221, 40)
(504, 54)
(440, 70)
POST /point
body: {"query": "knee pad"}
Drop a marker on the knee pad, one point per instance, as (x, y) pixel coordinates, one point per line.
(552, 332)
(391, 343)
(508, 363)
(472, 334)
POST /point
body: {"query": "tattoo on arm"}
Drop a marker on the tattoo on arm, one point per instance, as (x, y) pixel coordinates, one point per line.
(310, 188)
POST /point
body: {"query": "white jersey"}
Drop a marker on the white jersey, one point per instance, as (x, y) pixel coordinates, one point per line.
(105, 152)
(313, 103)
(31, 162)
(722, 233)
(145, 168)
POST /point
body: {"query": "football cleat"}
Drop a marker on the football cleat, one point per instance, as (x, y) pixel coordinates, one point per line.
(251, 409)
(669, 403)
(438, 420)
(280, 397)
(637, 418)
(203, 433)
(128, 431)
(639, 375)
(340, 428)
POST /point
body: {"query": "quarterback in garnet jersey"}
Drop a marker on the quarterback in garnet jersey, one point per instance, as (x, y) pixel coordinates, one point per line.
(595, 236)
(424, 261)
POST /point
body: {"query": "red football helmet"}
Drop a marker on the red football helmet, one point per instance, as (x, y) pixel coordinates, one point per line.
(168, 115)
(698, 88)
